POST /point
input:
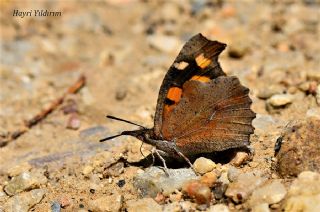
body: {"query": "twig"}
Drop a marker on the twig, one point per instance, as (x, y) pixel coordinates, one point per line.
(44, 113)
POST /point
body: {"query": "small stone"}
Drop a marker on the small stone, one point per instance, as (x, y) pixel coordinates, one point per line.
(164, 43)
(269, 91)
(224, 178)
(73, 122)
(209, 179)
(87, 170)
(64, 201)
(175, 197)
(121, 183)
(300, 148)
(143, 205)
(55, 207)
(218, 208)
(233, 173)
(198, 191)
(239, 159)
(238, 49)
(313, 75)
(263, 207)
(203, 165)
(304, 193)
(106, 203)
(154, 181)
(114, 170)
(18, 169)
(272, 192)
(279, 100)
(25, 181)
(24, 201)
(314, 113)
(265, 124)
(245, 184)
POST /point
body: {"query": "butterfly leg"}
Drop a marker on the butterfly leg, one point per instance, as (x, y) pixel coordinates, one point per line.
(186, 159)
(163, 161)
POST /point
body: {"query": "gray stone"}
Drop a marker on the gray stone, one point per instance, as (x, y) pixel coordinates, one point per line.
(154, 180)
(106, 203)
(143, 205)
(55, 207)
(24, 201)
(266, 123)
(25, 181)
(270, 193)
(304, 193)
(245, 184)
(269, 91)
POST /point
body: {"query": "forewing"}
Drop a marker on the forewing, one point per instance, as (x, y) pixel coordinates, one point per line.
(198, 60)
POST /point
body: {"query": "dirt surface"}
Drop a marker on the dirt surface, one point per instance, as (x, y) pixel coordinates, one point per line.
(124, 49)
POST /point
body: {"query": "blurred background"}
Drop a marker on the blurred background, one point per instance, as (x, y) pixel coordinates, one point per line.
(125, 47)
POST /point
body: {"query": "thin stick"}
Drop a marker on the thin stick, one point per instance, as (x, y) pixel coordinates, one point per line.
(45, 112)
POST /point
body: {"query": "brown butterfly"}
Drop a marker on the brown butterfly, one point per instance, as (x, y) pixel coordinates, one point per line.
(199, 108)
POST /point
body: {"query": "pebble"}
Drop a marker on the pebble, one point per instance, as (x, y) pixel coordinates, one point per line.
(200, 192)
(265, 123)
(245, 184)
(154, 180)
(300, 148)
(164, 43)
(73, 122)
(218, 208)
(272, 192)
(233, 173)
(18, 169)
(304, 193)
(314, 113)
(24, 201)
(313, 75)
(269, 91)
(55, 207)
(114, 170)
(25, 181)
(87, 170)
(263, 207)
(106, 203)
(203, 165)
(209, 179)
(143, 205)
(239, 159)
(279, 100)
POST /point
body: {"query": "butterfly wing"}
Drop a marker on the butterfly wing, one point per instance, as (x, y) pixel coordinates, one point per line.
(198, 59)
(210, 116)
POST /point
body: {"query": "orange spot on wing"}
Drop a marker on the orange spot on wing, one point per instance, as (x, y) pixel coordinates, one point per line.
(202, 61)
(174, 94)
(200, 78)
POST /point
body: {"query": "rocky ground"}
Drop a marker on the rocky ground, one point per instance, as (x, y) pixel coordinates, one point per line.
(124, 48)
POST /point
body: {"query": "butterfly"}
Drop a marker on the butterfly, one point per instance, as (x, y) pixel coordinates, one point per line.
(199, 108)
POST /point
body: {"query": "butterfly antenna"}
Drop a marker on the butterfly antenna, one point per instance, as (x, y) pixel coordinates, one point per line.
(123, 120)
(110, 137)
